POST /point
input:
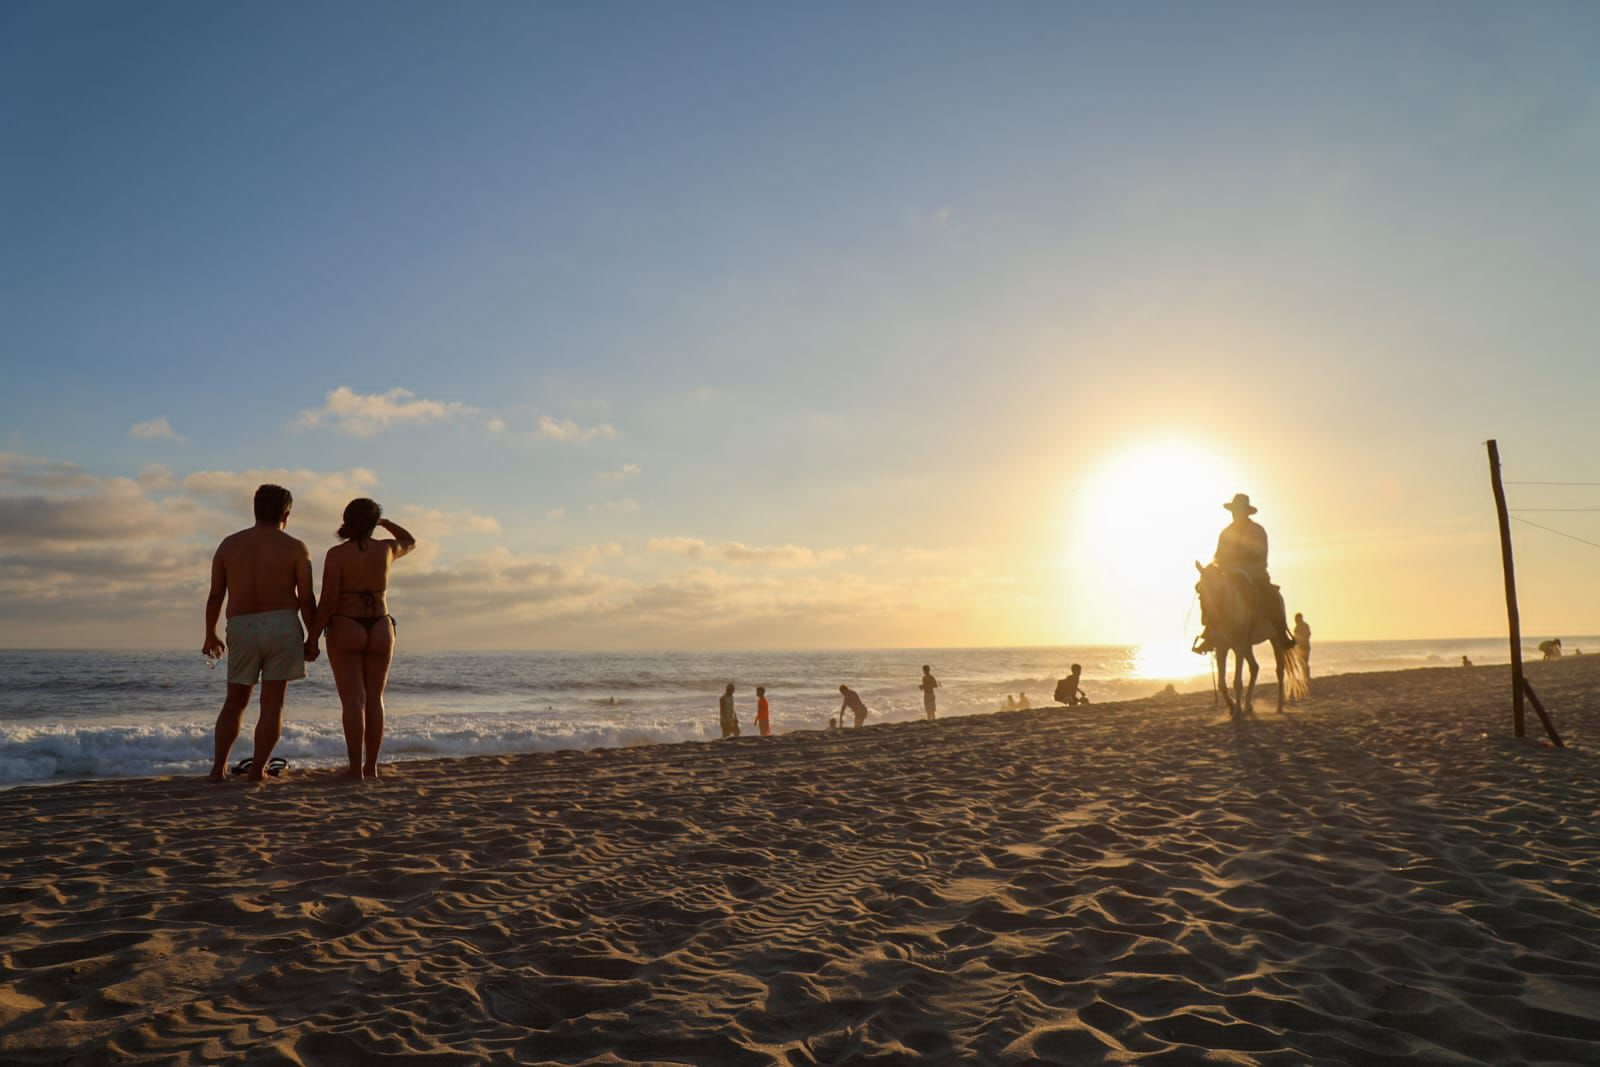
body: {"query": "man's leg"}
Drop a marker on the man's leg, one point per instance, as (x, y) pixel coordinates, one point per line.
(228, 721)
(268, 727)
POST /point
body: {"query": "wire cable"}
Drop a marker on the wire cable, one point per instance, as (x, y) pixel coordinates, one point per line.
(1554, 509)
(1508, 482)
(1558, 533)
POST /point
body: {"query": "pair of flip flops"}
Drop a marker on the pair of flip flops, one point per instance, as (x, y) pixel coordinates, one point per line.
(275, 766)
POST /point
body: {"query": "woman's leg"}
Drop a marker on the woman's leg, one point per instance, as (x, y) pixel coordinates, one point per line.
(347, 646)
(375, 669)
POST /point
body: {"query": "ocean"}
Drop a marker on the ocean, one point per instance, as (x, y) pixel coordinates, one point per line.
(69, 715)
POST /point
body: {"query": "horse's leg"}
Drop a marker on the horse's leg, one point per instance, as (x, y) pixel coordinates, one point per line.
(1255, 669)
(1238, 680)
(1277, 661)
(1222, 676)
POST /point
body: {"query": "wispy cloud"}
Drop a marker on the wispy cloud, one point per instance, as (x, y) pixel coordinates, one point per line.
(740, 553)
(553, 429)
(439, 523)
(32, 472)
(625, 506)
(366, 414)
(628, 470)
(157, 429)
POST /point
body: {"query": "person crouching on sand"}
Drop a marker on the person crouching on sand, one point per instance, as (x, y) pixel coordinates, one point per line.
(852, 701)
(763, 712)
(729, 721)
(1067, 690)
(354, 612)
(265, 575)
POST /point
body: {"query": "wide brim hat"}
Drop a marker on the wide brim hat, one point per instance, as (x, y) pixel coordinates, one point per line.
(1240, 502)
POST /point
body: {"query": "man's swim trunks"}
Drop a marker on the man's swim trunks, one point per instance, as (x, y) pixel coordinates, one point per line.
(268, 645)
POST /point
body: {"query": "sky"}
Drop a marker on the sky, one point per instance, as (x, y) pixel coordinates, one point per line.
(726, 325)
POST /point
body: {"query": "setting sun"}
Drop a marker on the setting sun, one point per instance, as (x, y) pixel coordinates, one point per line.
(1143, 519)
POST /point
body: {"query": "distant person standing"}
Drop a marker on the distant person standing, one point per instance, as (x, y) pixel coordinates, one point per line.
(929, 684)
(1466, 661)
(1302, 643)
(1022, 702)
(852, 702)
(763, 712)
(730, 721)
(265, 577)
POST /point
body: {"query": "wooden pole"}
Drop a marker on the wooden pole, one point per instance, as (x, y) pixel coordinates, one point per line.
(1544, 716)
(1519, 682)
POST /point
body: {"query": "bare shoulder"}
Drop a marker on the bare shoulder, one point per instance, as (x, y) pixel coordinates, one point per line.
(230, 545)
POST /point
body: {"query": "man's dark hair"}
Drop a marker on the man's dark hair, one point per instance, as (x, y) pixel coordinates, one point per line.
(273, 503)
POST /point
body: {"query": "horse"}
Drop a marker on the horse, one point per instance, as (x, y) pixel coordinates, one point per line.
(1237, 624)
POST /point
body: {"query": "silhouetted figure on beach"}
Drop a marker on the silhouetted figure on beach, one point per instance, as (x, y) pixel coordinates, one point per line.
(1242, 553)
(354, 613)
(1551, 648)
(265, 577)
(730, 721)
(1465, 662)
(763, 712)
(1022, 702)
(1010, 704)
(1067, 691)
(852, 702)
(1302, 642)
(928, 685)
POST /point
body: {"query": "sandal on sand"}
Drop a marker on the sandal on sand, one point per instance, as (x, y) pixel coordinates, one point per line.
(275, 766)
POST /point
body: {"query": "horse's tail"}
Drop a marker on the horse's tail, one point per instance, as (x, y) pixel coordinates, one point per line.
(1296, 683)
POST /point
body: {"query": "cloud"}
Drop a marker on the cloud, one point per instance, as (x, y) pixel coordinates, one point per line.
(692, 547)
(157, 429)
(319, 496)
(35, 473)
(552, 429)
(431, 522)
(496, 425)
(111, 509)
(155, 478)
(625, 506)
(627, 471)
(738, 552)
(363, 415)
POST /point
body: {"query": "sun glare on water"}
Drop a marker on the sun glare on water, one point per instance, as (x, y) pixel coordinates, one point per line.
(1142, 521)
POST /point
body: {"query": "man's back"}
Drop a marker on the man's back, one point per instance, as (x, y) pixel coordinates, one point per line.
(261, 566)
(1243, 545)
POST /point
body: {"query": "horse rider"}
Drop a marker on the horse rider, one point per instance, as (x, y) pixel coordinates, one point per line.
(1242, 550)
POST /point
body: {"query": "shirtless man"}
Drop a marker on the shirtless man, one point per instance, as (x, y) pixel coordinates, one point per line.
(265, 576)
(928, 685)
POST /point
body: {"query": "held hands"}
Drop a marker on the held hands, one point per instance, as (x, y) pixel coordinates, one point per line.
(311, 651)
(213, 647)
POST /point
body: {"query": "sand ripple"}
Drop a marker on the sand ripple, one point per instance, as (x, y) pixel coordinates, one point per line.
(1368, 879)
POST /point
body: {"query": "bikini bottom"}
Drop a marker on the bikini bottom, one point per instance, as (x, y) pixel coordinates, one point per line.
(369, 621)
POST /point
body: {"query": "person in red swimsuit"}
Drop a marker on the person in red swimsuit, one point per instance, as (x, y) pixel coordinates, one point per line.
(763, 712)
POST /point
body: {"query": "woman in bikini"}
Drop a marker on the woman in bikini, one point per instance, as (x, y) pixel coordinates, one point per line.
(360, 629)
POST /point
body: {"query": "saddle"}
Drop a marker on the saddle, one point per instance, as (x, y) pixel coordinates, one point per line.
(1272, 618)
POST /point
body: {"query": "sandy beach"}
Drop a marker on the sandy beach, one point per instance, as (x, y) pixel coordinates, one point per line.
(1381, 875)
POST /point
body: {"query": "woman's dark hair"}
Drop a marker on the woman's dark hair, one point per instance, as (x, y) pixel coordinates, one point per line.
(361, 516)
